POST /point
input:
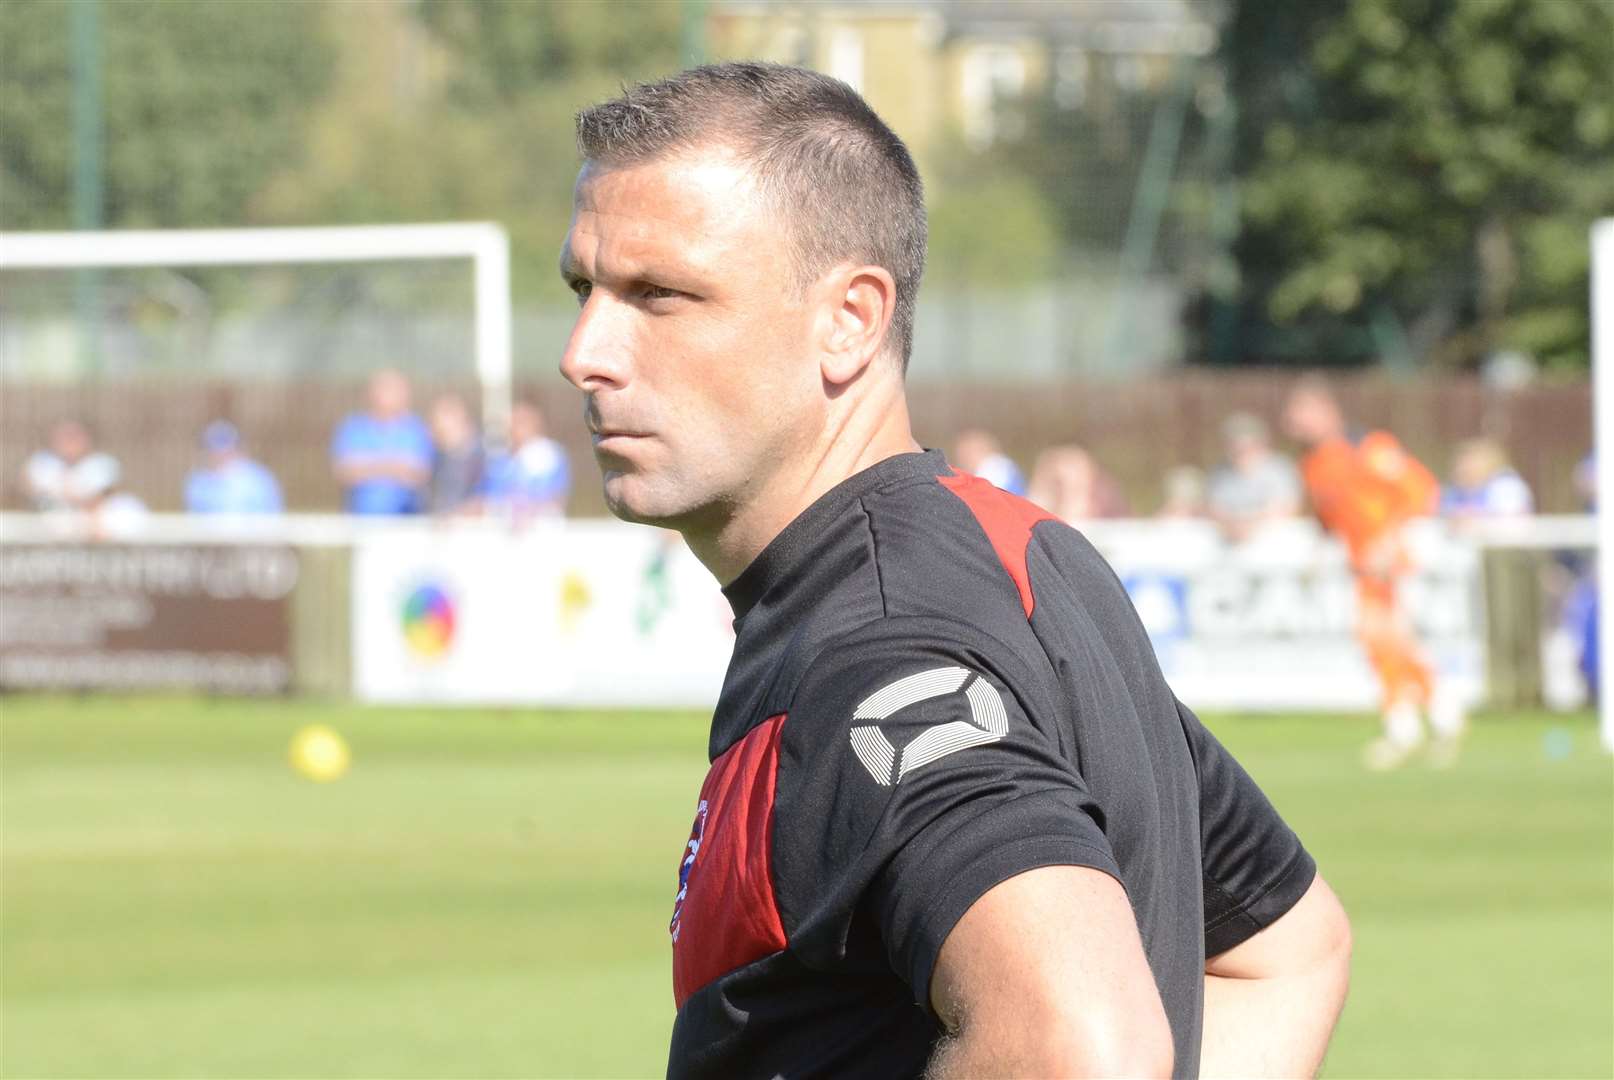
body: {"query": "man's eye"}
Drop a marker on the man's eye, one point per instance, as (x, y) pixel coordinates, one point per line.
(657, 292)
(582, 289)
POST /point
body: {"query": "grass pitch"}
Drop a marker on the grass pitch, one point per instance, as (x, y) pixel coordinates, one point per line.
(486, 894)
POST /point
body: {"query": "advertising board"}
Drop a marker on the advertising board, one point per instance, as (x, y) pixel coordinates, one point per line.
(1270, 624)
(568, 613)
(601, 613)
(214, 617)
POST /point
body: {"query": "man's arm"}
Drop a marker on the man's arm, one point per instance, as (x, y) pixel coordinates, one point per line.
(1271, 1002)
(1045, 975)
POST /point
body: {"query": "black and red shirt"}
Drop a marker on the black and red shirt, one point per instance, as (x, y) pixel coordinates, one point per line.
(937, 686)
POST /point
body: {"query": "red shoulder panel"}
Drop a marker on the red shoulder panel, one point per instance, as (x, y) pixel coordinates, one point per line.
(725, 915)
(1007, 519)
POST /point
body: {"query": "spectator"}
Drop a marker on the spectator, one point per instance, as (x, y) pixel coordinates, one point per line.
(1586, 482)
(1185, 493)
(458, 463)
(1580, 614)
(230, 482)
(1256, 484)
(69, 472)
(382, 457)
(977, 452)
(1484, 484)
(1069, 484)
(534, 478)
(110, 511)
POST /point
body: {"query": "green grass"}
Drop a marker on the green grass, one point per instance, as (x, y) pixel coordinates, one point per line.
(486, 894)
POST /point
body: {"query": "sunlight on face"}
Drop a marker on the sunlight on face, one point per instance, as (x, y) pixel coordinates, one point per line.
(691, 345)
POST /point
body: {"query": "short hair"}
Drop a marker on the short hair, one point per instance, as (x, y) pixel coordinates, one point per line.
(841, 180)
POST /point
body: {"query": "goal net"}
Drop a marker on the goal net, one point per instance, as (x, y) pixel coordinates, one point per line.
(147, 337)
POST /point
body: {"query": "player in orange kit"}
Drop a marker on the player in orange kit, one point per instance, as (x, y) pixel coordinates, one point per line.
(1364, 487)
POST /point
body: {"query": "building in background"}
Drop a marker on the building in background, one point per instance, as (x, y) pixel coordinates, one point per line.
(934, 68)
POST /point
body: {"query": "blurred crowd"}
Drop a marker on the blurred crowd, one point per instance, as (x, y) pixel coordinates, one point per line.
(390, 460)
(1254, 484)
(387, 459)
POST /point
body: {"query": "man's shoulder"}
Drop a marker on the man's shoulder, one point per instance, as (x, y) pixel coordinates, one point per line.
(355, 427)
(959, 546)
(889, 662)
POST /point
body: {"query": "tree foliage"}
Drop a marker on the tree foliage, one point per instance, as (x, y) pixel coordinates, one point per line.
(201, 102)
(486, 129)
(1419, 175)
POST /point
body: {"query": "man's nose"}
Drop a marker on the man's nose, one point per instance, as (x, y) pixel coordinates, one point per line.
(596, 355)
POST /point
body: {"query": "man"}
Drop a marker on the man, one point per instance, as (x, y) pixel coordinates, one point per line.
(458, 464)
(382, 457)
(1484, 484)
(955, 819)
(230, 482)
(979, 453)
(69, 473)
(1364, 488)
(1257, 485)
(534, 478)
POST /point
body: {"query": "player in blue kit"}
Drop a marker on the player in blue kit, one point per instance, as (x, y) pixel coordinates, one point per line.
(955, 822)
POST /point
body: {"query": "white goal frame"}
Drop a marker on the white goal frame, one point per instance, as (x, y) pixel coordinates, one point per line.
(1603, 442)
(484, 243)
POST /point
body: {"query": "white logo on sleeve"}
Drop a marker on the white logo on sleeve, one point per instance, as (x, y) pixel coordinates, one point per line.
(987, 723)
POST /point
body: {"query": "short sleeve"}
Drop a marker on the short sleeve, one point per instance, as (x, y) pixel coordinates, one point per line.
(1255, 868)
(344, 443)
(417, 443)
(267, 498)
(916, 774)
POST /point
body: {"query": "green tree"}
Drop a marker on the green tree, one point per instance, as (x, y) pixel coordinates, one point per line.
(1417, 178)
(484, 129)
(990, 225)
(203, 100)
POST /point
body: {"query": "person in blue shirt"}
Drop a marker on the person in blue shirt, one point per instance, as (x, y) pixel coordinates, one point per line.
(978, 452)
(1484, 485)
(382, 457)
(230, 482)
(534, 478)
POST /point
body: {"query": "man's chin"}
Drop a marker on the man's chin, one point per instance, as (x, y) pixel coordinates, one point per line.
(626, 502)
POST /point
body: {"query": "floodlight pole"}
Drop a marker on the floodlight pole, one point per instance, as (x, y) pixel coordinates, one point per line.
(88, 200)
(1602, 450)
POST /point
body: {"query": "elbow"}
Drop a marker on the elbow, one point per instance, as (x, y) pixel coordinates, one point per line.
(1337, 934)
(1152, 1059)
(1136, 1049)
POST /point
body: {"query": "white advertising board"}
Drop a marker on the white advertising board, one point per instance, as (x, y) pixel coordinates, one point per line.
(575, 613)
(1270, 623)
(602, 613)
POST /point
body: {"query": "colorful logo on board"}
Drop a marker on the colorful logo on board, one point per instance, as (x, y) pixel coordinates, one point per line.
(428, 621)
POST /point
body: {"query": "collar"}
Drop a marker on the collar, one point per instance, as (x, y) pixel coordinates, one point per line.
(797, 541)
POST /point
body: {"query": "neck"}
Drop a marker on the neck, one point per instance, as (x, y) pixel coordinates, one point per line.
(865, 434)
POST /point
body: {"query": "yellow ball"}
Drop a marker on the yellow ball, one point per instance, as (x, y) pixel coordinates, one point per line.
(319, 753)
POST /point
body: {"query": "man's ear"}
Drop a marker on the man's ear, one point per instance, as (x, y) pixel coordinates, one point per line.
(859, 301)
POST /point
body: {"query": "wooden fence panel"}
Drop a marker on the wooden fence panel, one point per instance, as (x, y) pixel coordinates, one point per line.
(1136, 429)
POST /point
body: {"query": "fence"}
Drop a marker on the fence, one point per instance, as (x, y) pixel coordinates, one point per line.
(1137, 429)
(600, 613)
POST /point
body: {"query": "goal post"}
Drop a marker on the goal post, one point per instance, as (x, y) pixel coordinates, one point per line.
(484, 243)
(1603, 443)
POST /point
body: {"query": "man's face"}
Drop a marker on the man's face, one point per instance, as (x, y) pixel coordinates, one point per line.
(1309, 418)
(692, 343)
(526, 424)
(389, 395)
(70, 441)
